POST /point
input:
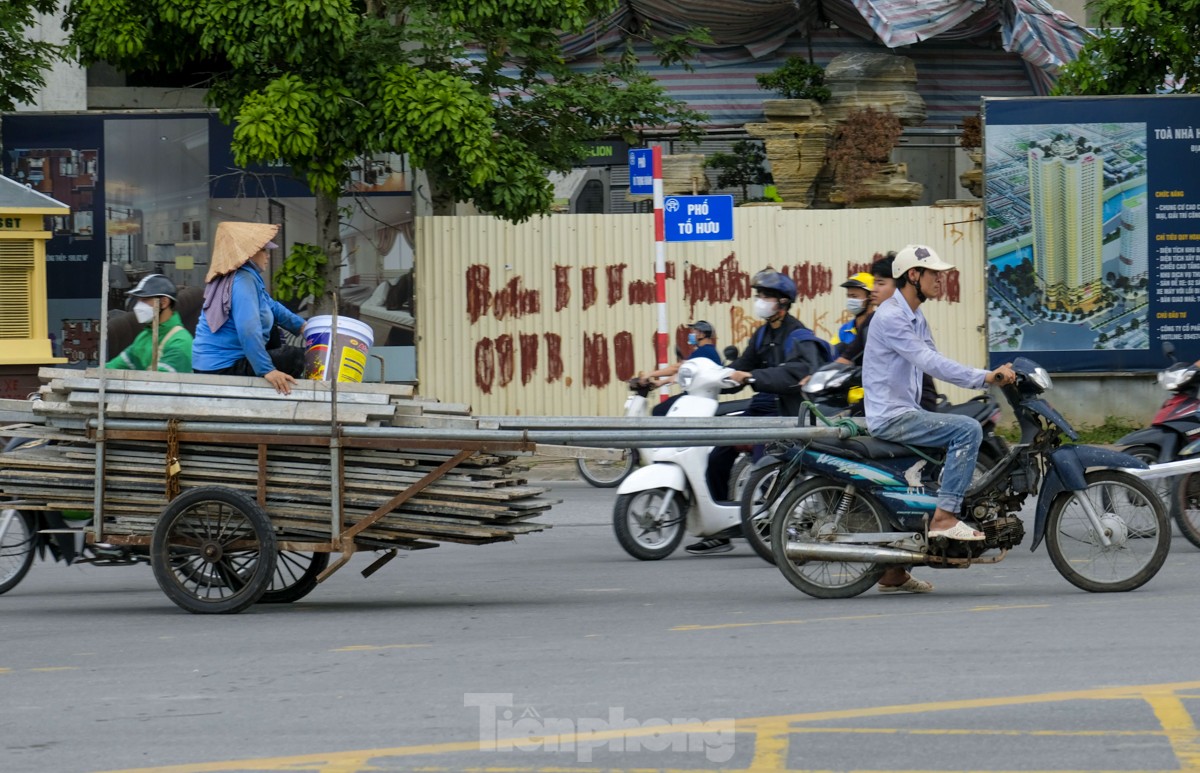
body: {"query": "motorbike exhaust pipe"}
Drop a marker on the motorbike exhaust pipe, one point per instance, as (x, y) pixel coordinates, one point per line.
(867, 554)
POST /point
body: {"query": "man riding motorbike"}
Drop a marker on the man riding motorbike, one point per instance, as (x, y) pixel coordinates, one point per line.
(780, 355)
(899, 350)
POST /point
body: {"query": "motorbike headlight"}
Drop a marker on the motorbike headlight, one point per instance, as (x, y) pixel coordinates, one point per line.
(685, 376)
(1172, 379)
(1041, 378)
(817, 383)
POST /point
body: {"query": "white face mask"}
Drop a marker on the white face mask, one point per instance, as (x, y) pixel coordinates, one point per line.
(855, 305)
(143, 311)
(765, 308)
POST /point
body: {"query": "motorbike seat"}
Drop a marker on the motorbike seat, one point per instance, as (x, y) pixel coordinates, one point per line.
(979, 410)
(863, 448)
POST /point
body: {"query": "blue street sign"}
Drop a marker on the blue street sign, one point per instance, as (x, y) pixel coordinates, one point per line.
(698, 218)
(641, 172)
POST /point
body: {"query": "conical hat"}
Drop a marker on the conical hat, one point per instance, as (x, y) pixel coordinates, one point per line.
(235, 244)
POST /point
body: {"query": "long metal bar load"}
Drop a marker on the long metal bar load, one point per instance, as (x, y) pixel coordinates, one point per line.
(1166, 469)
(670, 433)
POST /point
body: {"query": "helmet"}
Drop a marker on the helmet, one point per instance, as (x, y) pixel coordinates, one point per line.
(702, 327)
(774, 282)
(917, 256)
(861, 280)
(153, 286)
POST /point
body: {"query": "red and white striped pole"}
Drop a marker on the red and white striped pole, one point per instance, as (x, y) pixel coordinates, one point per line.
(660, 266)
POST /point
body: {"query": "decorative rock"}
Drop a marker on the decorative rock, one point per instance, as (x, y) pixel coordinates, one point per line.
(683, 174)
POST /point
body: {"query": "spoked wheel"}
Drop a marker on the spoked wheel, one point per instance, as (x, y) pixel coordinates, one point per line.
(816, 511)
(213, 551)
(295, 576)
(1133, 518)
(607, 473)
(644, 528)
(1187, 507)
(1160, 486)
(16, 548)
(756, 515)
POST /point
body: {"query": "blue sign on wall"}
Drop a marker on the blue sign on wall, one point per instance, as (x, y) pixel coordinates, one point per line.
(641, 172)
(698, 218)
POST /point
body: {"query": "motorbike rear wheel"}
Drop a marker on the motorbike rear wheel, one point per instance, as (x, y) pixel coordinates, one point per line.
(1187, 507)
(607, 473)
(756, 516)
(641, 532)
(1161, 486)
(1135, 521)
(810, 513)
(16, 548)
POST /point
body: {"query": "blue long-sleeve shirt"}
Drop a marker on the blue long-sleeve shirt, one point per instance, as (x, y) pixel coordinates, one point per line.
(252, 315)
(899, 349)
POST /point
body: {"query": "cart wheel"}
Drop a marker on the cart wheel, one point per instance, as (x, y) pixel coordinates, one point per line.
(295, 576)
(17, 540)
(213, 551)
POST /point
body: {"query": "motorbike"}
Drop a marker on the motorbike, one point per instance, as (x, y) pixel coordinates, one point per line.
(669, 495)
(834, 392)
(867, 503)
(1171, 436)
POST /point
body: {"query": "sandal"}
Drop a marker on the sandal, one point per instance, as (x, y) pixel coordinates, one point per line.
(911, 585)
(959, 531)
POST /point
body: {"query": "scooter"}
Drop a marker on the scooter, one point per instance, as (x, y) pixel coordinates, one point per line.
(867, 505)
(669, 496)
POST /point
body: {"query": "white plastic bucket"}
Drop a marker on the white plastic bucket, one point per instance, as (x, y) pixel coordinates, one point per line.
(349, 358)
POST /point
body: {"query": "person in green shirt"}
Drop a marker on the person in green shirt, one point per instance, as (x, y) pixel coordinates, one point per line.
(165, 345)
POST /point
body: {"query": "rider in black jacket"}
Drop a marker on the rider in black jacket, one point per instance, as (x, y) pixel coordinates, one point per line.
(779, 357)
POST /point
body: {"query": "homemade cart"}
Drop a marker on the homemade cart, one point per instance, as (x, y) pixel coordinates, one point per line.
(238, 495)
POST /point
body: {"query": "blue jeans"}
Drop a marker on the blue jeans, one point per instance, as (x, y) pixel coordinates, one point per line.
(959, 435)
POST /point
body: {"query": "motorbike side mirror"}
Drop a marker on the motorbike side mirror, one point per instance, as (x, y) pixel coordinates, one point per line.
(730, 353)
(1168, 350)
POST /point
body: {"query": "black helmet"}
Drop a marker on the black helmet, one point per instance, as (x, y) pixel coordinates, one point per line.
(702, 327)
(154, 286)
(775, 283)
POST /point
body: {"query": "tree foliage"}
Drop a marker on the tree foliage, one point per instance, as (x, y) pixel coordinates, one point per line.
(476, 92)
(740, 168)
(23, 61)
(796, 79)
(1142, 44)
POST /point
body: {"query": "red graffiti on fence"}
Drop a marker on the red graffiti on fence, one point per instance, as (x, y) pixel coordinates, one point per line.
(479, 294)
(616, 282)
(953, 289)
(562, 287)
(504, 359)
(554, 363)
(485, 365)
(720, 285)
(589, 287)
(642, 293)
(529, 357)
(811, 280)
(512, 300)
(623, 357)
(596, 371)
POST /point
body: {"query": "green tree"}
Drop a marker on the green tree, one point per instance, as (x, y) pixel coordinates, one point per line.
(1141, 44)
(478, 94)
(740, 168)
(23, 61)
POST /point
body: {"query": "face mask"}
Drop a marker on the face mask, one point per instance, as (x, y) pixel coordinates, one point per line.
(855, 305)
(764, 308)
(691, 339)
(143, 311)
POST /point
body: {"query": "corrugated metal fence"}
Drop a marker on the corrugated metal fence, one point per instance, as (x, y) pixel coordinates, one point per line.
(550, 317)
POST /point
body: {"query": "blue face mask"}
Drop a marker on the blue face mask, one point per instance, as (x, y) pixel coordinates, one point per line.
(691, 339)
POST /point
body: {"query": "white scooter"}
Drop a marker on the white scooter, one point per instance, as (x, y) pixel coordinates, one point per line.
(669, 495)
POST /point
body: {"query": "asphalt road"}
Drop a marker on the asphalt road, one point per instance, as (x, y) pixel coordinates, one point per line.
(431, 663)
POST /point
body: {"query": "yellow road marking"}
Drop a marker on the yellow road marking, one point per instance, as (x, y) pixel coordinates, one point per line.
(5, 670)
(1177, 726)
(845, 618)
(55, 668)
(972, 731)
(372, 647)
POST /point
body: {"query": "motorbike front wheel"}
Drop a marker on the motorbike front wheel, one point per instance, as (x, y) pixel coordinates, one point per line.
(815, 511)
(16, 548)
(1133, 518)
(756, 515)
(1187, 507)
(607, 473)
(643, 531)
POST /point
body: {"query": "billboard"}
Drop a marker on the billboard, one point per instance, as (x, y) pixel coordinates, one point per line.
(1092, 229)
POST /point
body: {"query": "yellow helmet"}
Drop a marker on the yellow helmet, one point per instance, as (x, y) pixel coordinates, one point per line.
(861, 280)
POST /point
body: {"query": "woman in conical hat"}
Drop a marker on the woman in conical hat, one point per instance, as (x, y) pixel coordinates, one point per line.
(234, 333)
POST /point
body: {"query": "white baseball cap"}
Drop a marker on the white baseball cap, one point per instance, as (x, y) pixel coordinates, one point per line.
(917, 256)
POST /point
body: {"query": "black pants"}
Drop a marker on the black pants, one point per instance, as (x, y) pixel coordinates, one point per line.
(720, 461)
